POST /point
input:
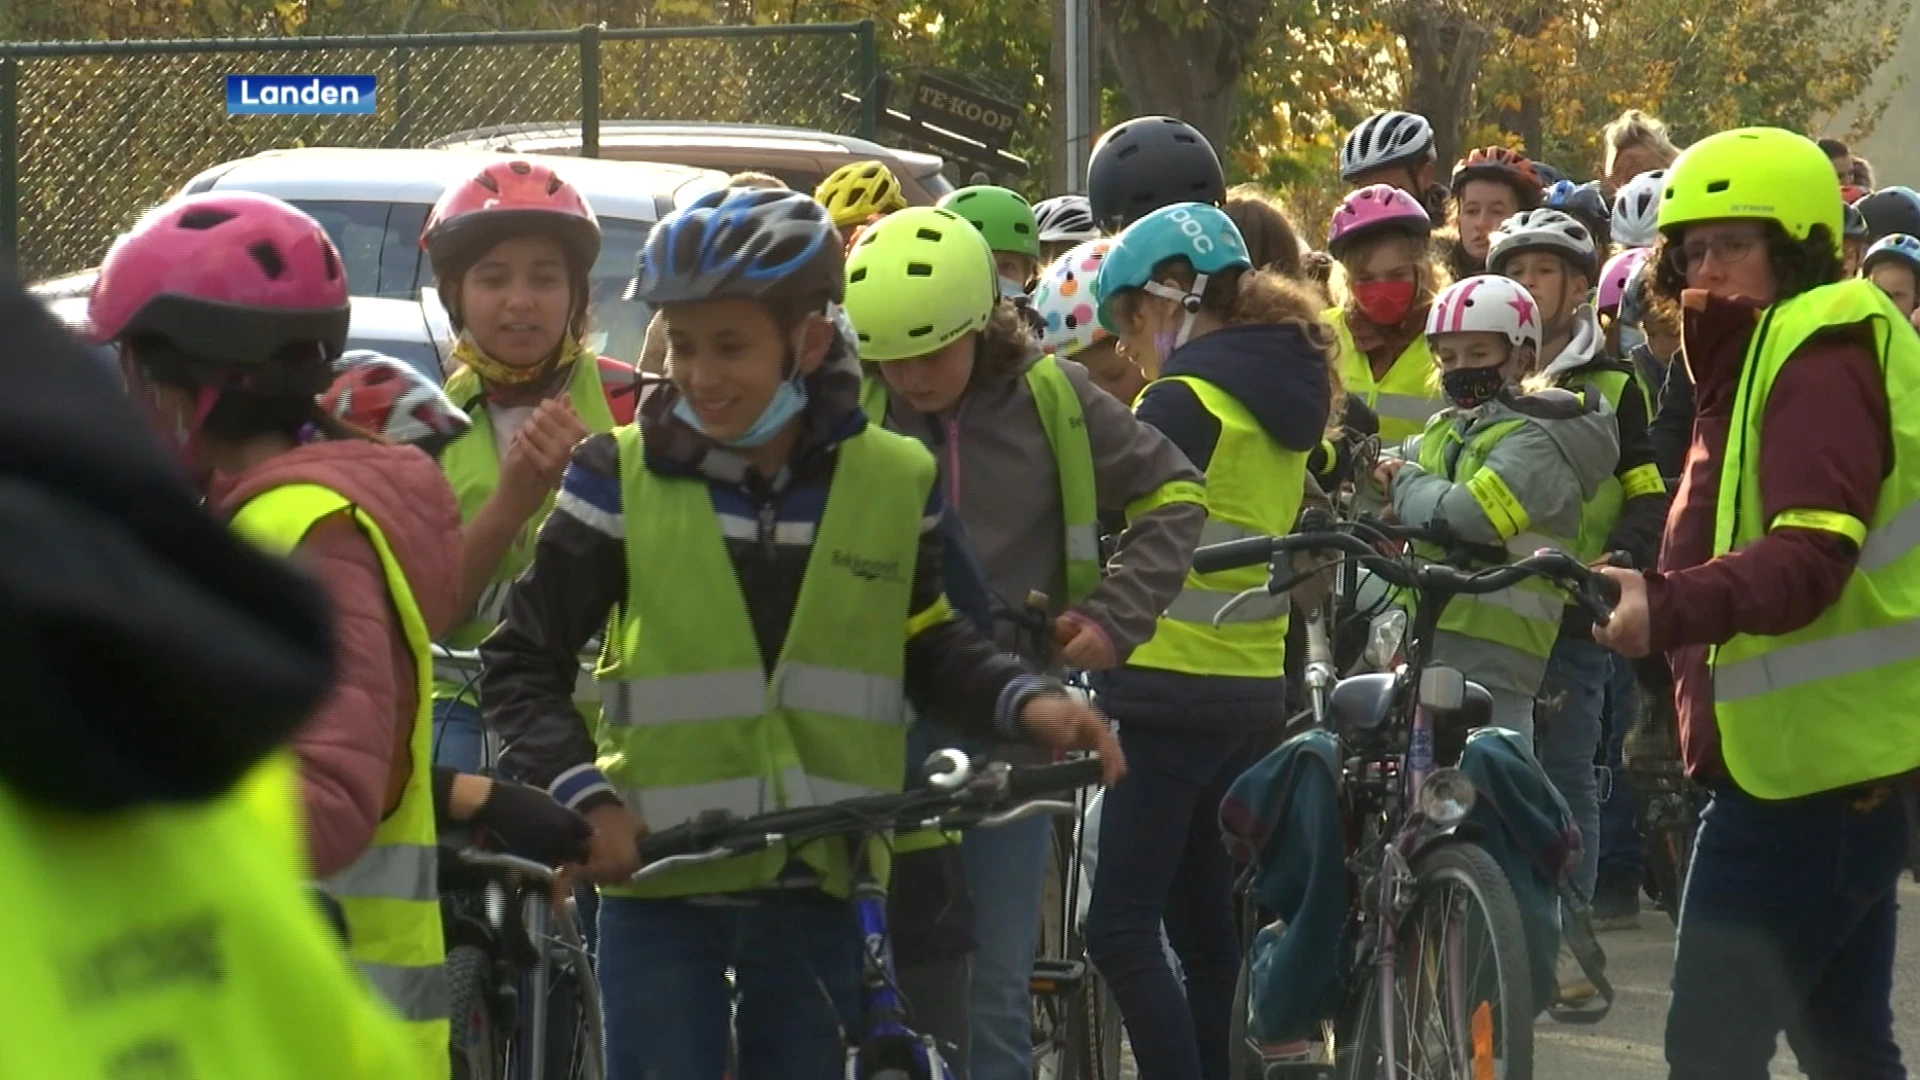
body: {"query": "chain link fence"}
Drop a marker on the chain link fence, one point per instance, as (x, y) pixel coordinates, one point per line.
(91, 134)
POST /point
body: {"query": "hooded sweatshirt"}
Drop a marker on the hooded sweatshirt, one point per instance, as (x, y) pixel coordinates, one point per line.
(354, 751)
(151, 655)
(1637, 530)
(1279, 373)
(1553, 464)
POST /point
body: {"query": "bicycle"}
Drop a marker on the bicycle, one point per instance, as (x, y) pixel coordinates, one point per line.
(1668, 802)
(1410, 858)
(956, 796)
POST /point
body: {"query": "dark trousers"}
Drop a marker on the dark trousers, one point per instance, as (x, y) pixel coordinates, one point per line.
(1787, 924)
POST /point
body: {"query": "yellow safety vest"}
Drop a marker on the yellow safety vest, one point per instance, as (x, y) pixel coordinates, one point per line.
(472, 467)
(1836, 702)
(390, 894)
(180, 940)
(1254, 487)
(1601, 513)
(691, 721)
(1405, 399)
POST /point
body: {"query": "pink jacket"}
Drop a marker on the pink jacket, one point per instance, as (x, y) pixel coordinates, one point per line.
(354, 758)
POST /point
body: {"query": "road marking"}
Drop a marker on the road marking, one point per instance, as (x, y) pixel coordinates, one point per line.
(1614, 1051)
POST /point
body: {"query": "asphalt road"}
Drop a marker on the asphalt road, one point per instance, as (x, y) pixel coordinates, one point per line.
(1627, 1045)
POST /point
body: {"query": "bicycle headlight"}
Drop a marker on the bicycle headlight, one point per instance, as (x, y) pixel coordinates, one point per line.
(1446, 796)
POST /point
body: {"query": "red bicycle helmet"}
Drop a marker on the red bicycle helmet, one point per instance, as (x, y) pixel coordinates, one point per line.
(505, 199)
(377, 393)
(1509, 167)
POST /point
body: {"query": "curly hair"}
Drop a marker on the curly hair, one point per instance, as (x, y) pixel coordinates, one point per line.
(1797, 265)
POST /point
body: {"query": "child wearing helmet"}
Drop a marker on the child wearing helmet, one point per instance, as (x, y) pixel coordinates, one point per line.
(1383, 282)
(1148, 162)
(1489, 186)
(735, 478)
(228, 310)
(1070, 330)
(1785, 583)
(1007, 223)
(1394, 148)
(1636, 209)
(1244, 386)
(391, 398)
(1893, 263)
(512, 247)
(1853, 239)
(1063, 221)
(859, 194)
(1584, 204)
(1555, 258)
(1505, 470)
(1033, 454)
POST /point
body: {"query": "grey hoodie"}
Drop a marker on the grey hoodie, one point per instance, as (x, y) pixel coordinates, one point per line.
(1553, 464)
(1000, 476)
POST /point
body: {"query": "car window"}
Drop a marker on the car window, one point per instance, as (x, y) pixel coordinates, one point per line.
(359, 230)
(936, 183)
(624, 322)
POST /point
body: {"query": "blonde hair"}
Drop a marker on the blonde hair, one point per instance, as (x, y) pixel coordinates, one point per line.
(653, 352)
(1428, 278)
(1634, 129)
(752, 179)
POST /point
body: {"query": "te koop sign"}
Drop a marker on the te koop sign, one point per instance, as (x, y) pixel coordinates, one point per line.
(963, 111)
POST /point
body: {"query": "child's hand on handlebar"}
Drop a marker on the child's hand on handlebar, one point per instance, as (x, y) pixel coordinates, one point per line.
(1384, 472)
(1082, 643)
(614, 849)
(1627, 632)
(1065, 722)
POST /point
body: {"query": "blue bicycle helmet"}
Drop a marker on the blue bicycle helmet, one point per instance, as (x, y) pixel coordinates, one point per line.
(741, 243)
(1900, 246)
(1203, 235)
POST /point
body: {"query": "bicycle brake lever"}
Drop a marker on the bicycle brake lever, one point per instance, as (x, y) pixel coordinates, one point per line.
(1244, 596)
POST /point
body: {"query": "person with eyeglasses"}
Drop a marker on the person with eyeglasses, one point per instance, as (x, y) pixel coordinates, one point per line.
(1787, 579)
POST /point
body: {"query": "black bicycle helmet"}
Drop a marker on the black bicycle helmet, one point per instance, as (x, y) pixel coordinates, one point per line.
(1890, 210)
(1149, 162)
(1855, 227)
(1585, 204)
(742, 243)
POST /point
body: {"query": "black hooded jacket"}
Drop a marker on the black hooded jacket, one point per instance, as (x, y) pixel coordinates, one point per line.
(149, 655)
(1280, 375)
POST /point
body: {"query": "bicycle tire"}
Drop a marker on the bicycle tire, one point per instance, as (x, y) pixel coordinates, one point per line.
(1470, 867)
(477, 1047)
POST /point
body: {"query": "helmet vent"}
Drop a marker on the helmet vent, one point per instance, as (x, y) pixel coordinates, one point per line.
(205, 219)
(858, 275)
(487, 181)
(554, 183)
(920, 331)
(1127, 151)
(520, 168)
(1021, 228)
(1718, 186)
(332, 261)
(932, 235)
(1184, 137)
(919, 269)
(268, 258)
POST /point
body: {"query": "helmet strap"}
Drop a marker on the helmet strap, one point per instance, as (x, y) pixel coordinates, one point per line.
(1189, 301)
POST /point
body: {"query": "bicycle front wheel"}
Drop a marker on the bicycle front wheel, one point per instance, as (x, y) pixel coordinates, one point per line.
(1461, 1003)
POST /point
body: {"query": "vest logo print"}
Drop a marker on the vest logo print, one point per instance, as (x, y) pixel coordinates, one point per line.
(868, 569)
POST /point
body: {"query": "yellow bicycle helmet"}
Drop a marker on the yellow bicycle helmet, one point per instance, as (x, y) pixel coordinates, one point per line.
(918, 280)
(1766, 173)
(853, 193)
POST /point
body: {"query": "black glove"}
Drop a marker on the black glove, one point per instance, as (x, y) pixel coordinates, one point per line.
(525, 821)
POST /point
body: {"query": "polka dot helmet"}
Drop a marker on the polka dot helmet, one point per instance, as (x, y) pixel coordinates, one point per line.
(1064, 299)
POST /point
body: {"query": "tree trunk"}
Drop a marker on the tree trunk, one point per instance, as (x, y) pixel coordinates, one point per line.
(1191, 72)
(1444, 48)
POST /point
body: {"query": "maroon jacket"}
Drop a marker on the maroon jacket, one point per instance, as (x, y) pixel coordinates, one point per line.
(1825, 445)
(353, 751)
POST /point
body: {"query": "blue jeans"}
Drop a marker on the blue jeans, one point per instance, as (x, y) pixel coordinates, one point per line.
(1619, 822)
(1567, 736)
(1161, 860)
(663, 985)
(459, 738)
(1787, 924)
(1006, 874)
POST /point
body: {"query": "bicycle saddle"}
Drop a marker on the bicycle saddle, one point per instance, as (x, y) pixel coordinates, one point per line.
(1361, 704)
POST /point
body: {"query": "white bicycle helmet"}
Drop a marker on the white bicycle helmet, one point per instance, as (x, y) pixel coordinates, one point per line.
(1064, 299)
(1636, 210)
(1487, 303)
(1065, 219)
(1544, 230)
(1385, 138)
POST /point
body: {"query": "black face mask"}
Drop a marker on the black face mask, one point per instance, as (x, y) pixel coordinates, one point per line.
(1468, 388)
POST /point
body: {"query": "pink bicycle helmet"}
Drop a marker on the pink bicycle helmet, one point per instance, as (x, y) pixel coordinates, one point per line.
(1373, 209)
(231, 280)
(1615, 276)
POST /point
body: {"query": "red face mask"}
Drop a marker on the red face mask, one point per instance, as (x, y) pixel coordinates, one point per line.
(1385, 303)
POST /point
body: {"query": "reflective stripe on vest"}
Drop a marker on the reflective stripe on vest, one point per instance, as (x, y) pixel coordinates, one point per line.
(1525, 617)
(1254, 487)
(388, 895)
(1832, 704)
(693, 723)
(1064, 423)
(472, 466)
(1601, 513)
(1405, 399)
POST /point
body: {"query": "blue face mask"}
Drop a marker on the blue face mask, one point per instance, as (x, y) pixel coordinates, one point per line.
(789, 399)
(1011, 289)
(1631, 338)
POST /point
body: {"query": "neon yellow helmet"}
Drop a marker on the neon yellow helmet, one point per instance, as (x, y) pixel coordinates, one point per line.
(1766, 173)
(853, 193)
(918, 280)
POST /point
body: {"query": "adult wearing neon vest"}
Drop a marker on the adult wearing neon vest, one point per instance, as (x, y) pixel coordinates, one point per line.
(1032, 453)
(1244, 388)
(1384, 287)
(230, 308)
(1786, 586)
(512, 247)
(776, 566)
(113, 851)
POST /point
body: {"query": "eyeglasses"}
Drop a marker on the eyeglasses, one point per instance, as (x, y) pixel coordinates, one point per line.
(1727, 249)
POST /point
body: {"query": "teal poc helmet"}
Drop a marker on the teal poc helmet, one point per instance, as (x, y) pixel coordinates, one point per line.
(1204, 235)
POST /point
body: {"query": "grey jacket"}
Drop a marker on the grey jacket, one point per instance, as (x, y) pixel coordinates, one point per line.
(1001, 478)
(1553, 464)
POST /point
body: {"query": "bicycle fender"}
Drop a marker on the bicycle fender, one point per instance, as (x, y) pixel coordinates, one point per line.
(1465, 832)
